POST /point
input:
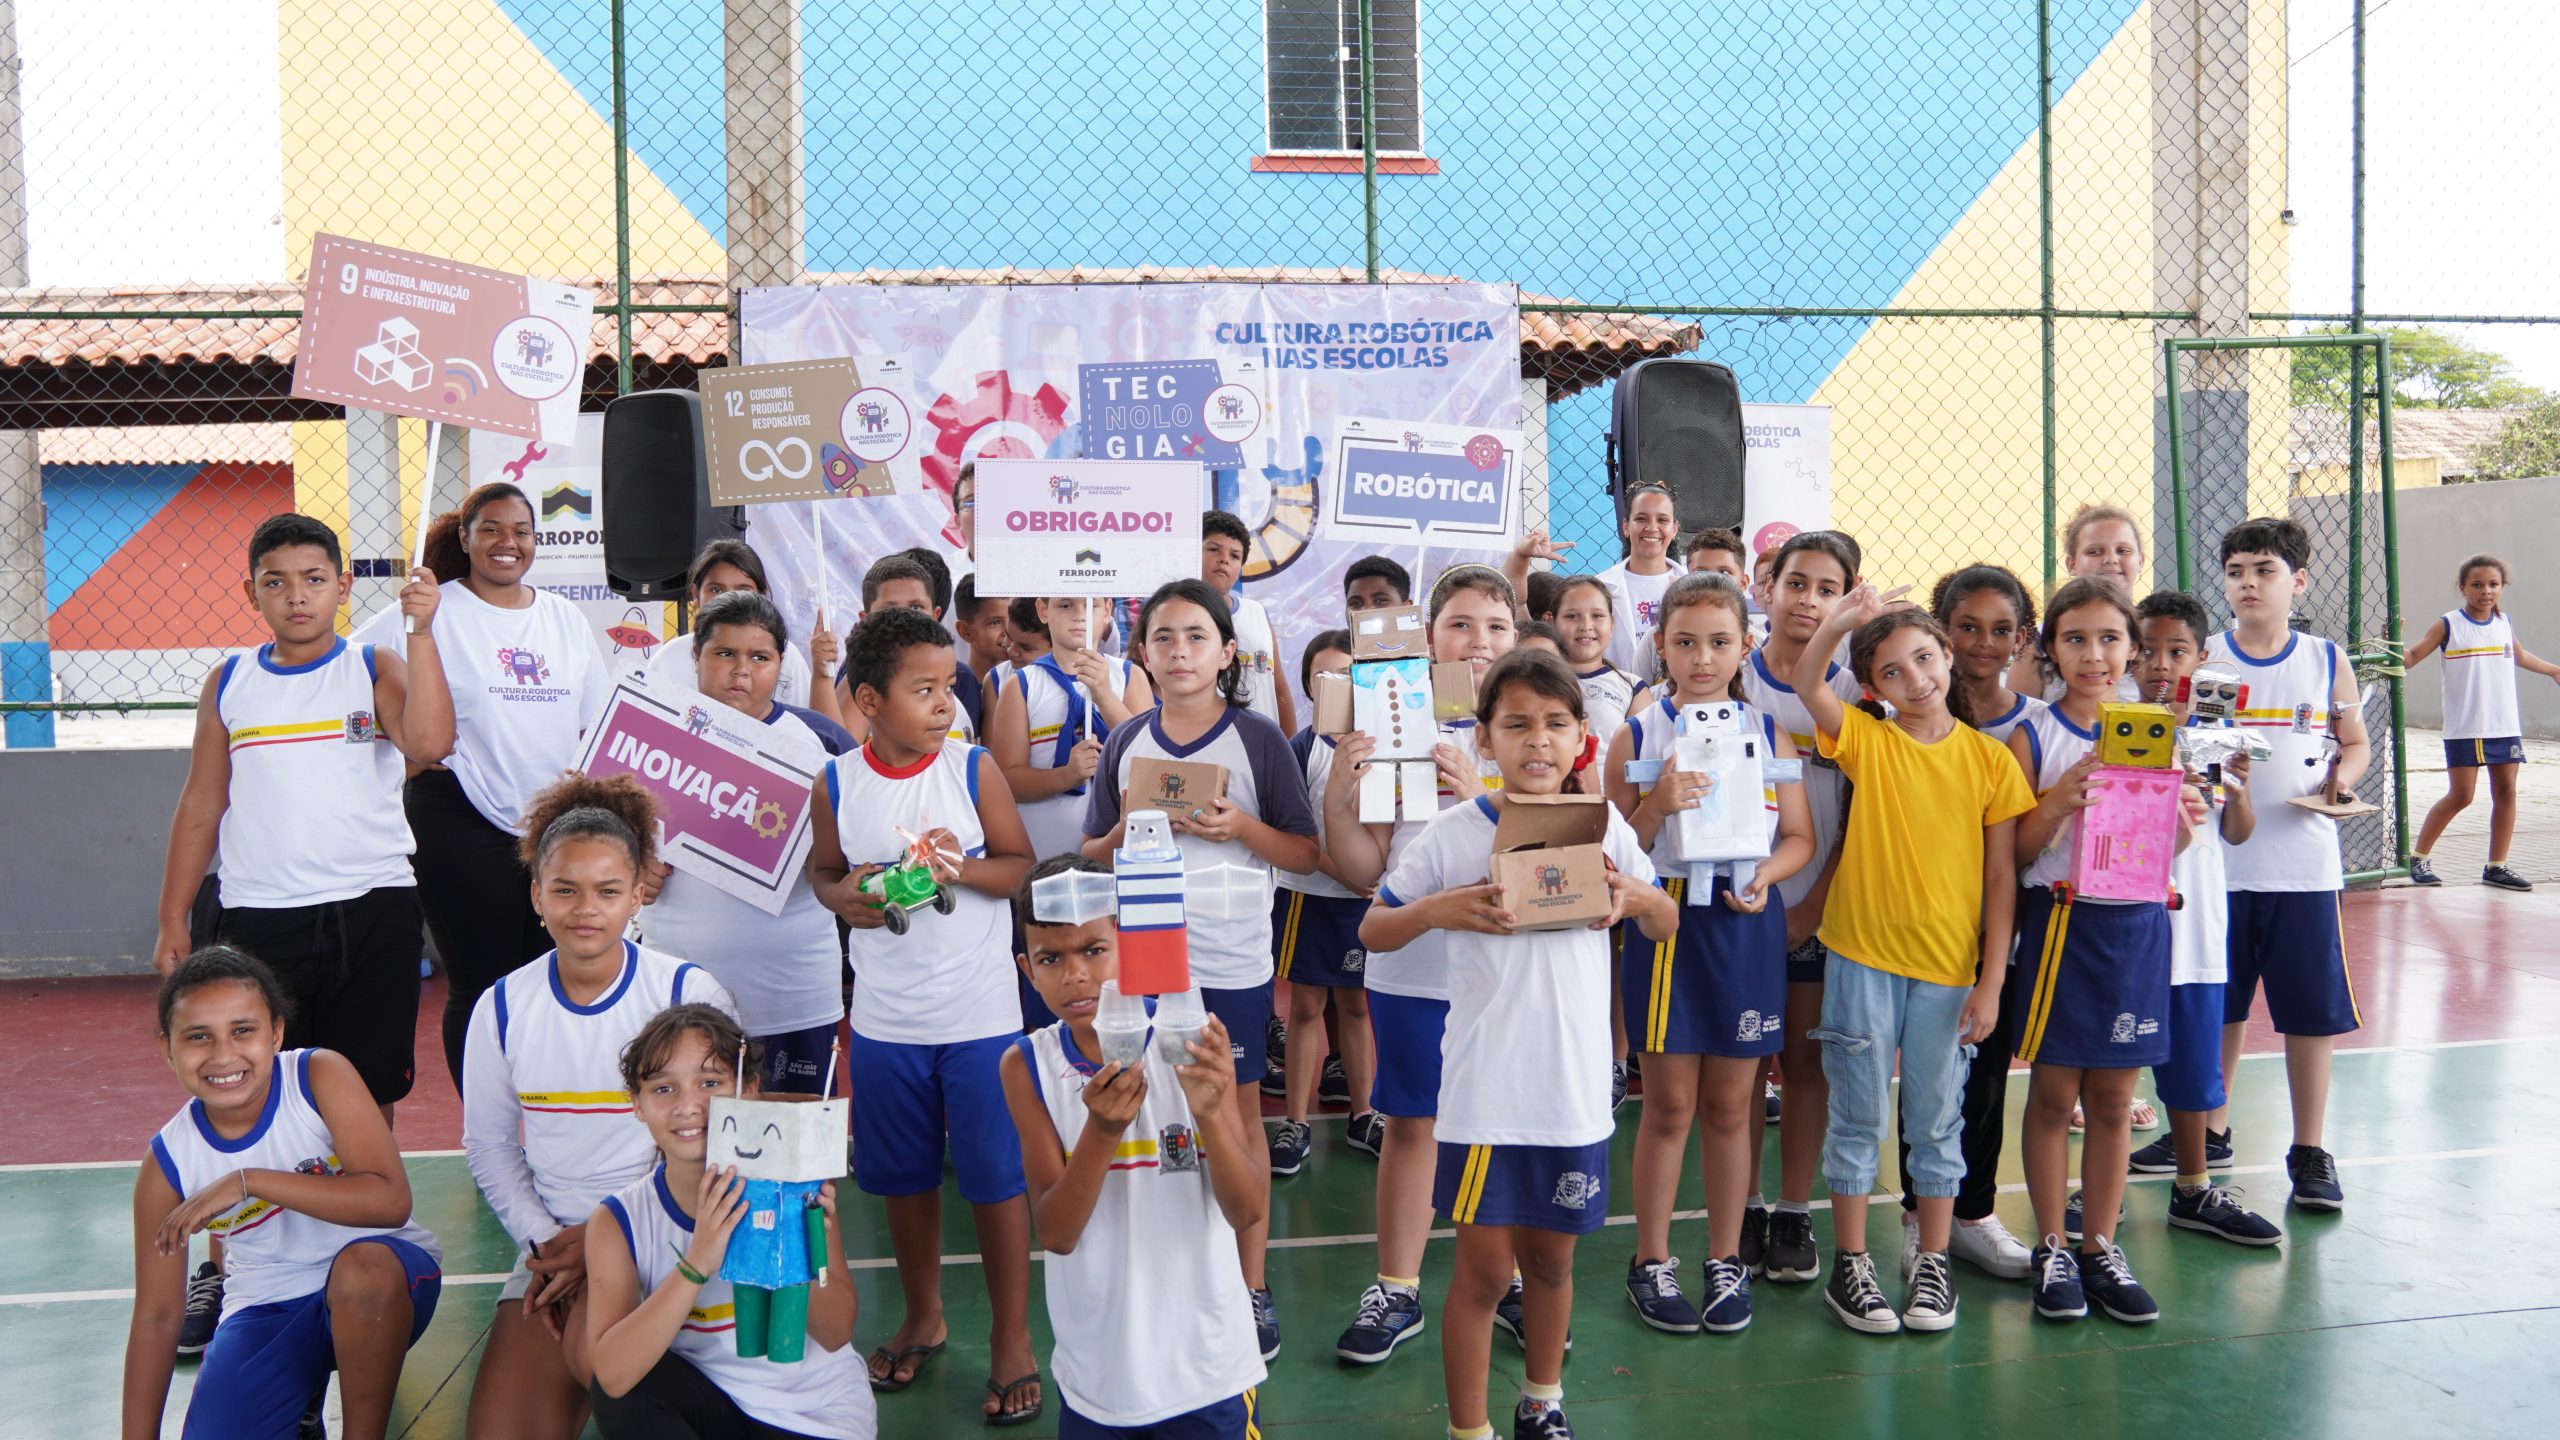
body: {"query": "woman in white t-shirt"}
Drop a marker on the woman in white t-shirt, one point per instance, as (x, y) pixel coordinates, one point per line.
(527, 681)
(726, 567)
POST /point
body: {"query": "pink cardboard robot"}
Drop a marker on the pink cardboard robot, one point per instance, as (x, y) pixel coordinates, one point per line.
(2129, 835)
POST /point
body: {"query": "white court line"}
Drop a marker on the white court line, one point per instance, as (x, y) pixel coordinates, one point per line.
(2343, 1051)
(1311, 1242)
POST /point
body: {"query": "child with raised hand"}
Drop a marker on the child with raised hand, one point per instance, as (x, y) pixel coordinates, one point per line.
(729, 567)
(1584, 615)
(1138, 1211)
(2091, 1002)
(1523, 1147)
(1470, 617)
(2287, 882)
(934, 1004)
(1711, 998)
(1917, 934)
(282, 1154)
(2174, 628)
(1315, 947)
(661, 1323)
(1811, 571)
(1048, 721)
(546, 1128)
(2482, 728)
(1263, 823)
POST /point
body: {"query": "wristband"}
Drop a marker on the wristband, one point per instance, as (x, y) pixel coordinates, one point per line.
(685, 1268)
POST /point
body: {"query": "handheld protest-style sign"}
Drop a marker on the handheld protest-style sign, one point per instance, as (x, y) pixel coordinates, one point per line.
(1098, 528)
(784, 1150)
(808, 430)
(1407, 482)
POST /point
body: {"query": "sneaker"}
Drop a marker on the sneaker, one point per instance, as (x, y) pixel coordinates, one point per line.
(204, 1309)
(1511, 1316)
(1366, 1132)
(1617, 1083)
(2218, 1211)
(2059, 1294)
(1387, 1319)
(1910, 1244)
(1266, 1324)
(1289, 1145)
(2071, 1217)
(1988, 1246)
(1755, 1237)
(1790, 1257)
(1930, 1303)
(1728, 1288)
(2109, 1284)
(1333, 1087)
(1769, 1102)
(1856, 1298)
(1275, 1051)
(2503, 878)
(1535, 1420)
(2422, 873)
(2315, 1178)
(1653, 1287)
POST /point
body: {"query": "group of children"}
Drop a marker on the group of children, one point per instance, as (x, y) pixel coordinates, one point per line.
(1907, 921)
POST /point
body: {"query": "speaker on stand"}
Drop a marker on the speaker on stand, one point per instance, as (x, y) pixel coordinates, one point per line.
(654, 500)
(1678, 424)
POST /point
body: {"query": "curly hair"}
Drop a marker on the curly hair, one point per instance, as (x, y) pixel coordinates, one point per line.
(445, 554)
(581, 807)
(873, 651)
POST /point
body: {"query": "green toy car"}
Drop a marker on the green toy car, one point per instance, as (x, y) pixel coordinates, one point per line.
(903, 887)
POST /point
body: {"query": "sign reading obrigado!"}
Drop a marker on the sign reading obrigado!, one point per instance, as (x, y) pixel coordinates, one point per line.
(1407, 482)
(733, 795)
(1098, 528)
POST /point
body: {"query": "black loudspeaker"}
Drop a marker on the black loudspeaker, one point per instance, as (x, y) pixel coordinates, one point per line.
(1678, 424)
(655, 506)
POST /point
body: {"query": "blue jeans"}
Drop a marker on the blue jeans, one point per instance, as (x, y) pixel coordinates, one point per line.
(1867, 1016)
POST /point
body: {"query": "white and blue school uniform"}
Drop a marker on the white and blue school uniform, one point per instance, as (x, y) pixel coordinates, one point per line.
(1826, 790)
(2191, 1078)
(2094, 991)
(272, 1350)
(1258, 651)
(1152, 1320)
(2482, 725)
(1409, 988)
(825, 1393)
(1719, 987)
(934, 1008)
(1606, 694)
(1231, 957)
(674, 667)
(785, 971)
(2022, 708)
(1060, 713)
(1315, 919)
(2288, 883)
(547, 1128)
(1635, 609)
(1524, 1115)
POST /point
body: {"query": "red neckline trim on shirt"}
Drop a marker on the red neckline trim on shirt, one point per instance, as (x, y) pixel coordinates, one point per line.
(908, 773)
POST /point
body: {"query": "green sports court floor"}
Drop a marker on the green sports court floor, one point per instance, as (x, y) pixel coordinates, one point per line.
(2431, 1306)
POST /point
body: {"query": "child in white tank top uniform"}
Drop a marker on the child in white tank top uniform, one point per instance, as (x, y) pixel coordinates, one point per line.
(2483, 725)
(1048, 717)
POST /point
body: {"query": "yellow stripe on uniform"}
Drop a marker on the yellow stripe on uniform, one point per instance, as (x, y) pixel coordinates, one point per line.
(573, 1097)
(1289, 930)
(1471, 1184)
(1252, 1418)
(2048, 971)
(279, 732)
(2344, 970)
(1657, 1010)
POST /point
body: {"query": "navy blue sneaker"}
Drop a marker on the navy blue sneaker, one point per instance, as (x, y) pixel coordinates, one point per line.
(1275, 1051)
(1790, 1255)
(204, 1310)
(2071, 1217)
(1728, 1296)
(1755, 1237)
(1653, 1287)
(1366, 1132)
(1770, 1103)
(2422, 873)
(1510, 1316)
(2059, 1292)
(1538, 1420)
(2160, 1157)
(2315, 1178)
(1290, 1142)
(1266, 1323)
(2108, 1283)
(1332, 1086)
(1617, 1083)
(1386, 1320)
(2218, 1211)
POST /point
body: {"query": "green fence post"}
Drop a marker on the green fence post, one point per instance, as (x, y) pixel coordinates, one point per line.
(621, 215)
(2177, 471)
(2391, 607)
(1369, 139)
(2044, 264)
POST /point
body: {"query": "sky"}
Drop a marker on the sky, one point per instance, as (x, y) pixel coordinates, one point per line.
(178, 178)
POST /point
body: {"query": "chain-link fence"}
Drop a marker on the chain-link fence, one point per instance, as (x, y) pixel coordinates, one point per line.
(1963, 227)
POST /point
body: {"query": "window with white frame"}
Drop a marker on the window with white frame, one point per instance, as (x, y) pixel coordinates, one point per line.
(1311, 75)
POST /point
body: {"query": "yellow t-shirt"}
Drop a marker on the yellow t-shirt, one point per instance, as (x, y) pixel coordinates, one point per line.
(1907, 898)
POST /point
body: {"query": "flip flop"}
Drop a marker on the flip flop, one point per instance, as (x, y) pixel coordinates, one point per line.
(890, 1384)
(1003, 1393)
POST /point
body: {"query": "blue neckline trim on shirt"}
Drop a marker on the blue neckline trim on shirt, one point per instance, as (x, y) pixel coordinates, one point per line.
(2278, 658)
(266, 658)
(630, 967)
(2090, 734)
(276, 1081)
(1155, 727)
(667, 1200)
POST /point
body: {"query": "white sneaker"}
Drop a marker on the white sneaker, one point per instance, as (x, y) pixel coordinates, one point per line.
(1989, 1248)
(1910, 1245)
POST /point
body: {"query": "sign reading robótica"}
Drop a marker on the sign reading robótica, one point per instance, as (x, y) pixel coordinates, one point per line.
(806, 430)
(733, 795)
(1098, 528)
(1412, 482)
(411, 334)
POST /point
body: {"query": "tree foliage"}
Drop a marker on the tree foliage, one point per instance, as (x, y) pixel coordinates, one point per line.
(2430, 369)
(2528, 446)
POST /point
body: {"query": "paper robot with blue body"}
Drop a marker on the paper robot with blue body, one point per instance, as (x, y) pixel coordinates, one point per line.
(1728, 831)
(784, 1149)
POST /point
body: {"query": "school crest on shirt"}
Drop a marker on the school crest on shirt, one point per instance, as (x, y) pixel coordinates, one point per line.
(1354, 961)
(2122, 1031)
(360, 728)
(1575, 1190)
(1177, 1149)
(1753, 1025)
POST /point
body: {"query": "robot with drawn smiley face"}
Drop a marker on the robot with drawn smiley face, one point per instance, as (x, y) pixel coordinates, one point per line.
(784, 1150)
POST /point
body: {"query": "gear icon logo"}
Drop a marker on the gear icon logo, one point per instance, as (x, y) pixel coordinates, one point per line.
(768, 821)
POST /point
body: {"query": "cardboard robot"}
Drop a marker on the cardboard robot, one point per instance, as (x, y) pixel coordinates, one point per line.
(2214, 700)
(1728, 831)
(784, 1149)
(1398, 698)
(2125, 841)
(1152, 895)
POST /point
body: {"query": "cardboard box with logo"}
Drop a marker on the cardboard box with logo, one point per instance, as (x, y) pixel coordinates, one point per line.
(1547, 857)
(1176, 787)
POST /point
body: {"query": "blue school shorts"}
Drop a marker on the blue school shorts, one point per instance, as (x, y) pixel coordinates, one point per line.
(267, 1361)
(2097, 983)
(908, 1098)
(1230, 1419)
(1564, 1188)
(2290, 941)
(1408, 1031)
(1719, 987)
(1315, 939)
(2473, 754)
(1806, 962)
(2191, 1078)
(1246, 1013)
(795, 1061)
